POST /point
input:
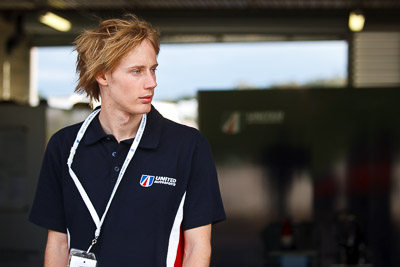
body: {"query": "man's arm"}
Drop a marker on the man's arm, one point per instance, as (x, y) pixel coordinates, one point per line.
(197, 247)
(56, 254)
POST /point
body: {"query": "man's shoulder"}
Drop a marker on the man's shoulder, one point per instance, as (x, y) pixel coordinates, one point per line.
(172, 130)
(65, 135)
(180, 128)
(181, 132)
(68, 130)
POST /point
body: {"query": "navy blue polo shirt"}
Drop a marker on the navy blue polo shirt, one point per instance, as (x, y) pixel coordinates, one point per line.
(169, 186)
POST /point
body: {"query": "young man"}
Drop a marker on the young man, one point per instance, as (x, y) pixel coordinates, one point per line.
(127, 185)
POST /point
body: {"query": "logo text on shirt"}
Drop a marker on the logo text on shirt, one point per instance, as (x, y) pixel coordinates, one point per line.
(149, 180)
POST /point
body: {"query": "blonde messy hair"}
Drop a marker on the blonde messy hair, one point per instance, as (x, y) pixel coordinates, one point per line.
(102, 48)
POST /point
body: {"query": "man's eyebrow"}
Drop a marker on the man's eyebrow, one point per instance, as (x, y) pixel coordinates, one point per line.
(154, 66)
(135, 67)
(140, 66)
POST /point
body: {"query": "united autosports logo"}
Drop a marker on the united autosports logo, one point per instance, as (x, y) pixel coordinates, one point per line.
(146, 180)
(149, 180)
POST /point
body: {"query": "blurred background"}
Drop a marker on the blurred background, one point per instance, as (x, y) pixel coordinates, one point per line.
(298, 101)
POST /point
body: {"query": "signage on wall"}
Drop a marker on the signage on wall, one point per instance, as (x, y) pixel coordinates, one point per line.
(234, 122)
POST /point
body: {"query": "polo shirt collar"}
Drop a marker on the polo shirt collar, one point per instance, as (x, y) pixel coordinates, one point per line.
(152, 133)
(94, 132)
(151, 136)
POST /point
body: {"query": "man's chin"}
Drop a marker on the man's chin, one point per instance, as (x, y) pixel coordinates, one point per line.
(148, 108)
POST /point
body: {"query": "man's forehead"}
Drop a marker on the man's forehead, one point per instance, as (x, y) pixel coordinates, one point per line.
(140, 56)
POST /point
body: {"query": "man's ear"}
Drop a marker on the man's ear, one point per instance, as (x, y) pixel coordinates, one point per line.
(101, 78)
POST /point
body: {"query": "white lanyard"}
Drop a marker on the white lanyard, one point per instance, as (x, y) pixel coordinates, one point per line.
(78, 184)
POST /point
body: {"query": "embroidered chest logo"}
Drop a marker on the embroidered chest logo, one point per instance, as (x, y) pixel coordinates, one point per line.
(149, 180)
(146, 180)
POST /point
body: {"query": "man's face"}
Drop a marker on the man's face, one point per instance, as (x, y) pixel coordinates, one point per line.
(130, 87)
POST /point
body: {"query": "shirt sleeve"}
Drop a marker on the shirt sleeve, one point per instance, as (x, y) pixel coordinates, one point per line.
(203, 203)
(48, 209)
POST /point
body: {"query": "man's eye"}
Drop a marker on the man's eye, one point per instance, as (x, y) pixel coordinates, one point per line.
(153, 70)
(136, 71)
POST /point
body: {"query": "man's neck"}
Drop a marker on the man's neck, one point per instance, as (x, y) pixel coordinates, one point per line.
(121, 125)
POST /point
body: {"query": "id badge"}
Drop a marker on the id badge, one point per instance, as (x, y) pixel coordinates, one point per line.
(79, 258)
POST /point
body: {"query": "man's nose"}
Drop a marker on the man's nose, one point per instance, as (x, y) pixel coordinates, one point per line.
(150, 80)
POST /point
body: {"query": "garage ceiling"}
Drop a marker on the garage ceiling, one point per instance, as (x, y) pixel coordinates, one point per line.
(194, 4)
(206, 20)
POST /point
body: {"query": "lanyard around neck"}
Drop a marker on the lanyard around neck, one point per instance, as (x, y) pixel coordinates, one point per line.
(78, 184)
